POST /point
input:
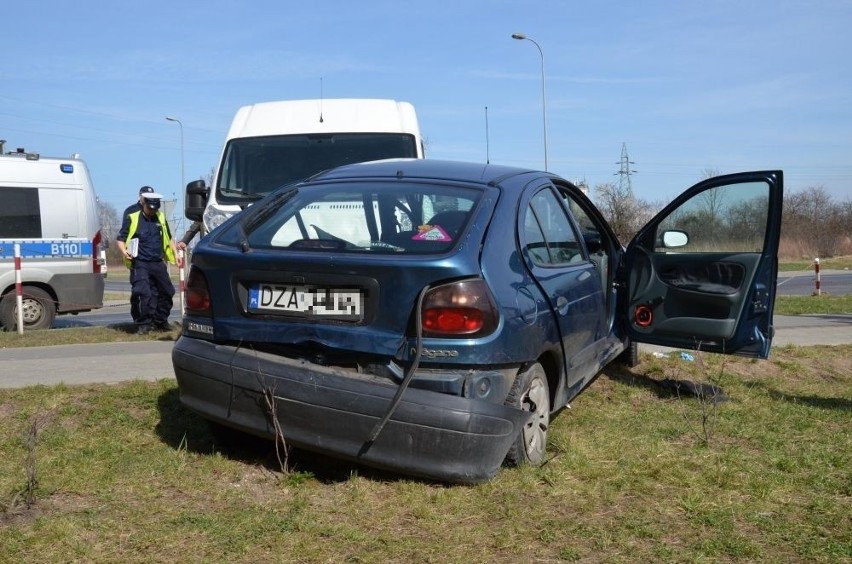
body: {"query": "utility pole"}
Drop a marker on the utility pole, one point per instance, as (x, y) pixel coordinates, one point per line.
(624, 171)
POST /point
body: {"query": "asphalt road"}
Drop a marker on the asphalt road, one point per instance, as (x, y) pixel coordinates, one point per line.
(151, 360)
(833, 282)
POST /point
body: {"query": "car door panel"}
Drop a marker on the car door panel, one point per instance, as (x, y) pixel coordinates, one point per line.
(717, 292)
(567, 279)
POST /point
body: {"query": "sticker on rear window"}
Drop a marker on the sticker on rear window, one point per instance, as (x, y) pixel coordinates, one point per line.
(431, 233)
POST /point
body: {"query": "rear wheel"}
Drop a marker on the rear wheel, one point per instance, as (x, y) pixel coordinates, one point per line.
(530, 392)
(39, 310)
(630, 356)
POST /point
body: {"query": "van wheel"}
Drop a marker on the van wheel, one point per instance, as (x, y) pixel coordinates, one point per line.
(39, 310)
(530, 392)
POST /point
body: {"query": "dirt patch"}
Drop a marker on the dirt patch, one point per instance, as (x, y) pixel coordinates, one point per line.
(17, 513)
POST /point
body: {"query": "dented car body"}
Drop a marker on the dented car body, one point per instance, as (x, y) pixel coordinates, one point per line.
(430, 317)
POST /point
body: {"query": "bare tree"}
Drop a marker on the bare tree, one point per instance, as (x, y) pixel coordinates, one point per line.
(110, 222)
(710, 173)
(812, 217)
(625, 213)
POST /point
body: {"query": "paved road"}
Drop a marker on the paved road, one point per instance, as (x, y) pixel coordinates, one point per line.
(151, 360)
(803, 283)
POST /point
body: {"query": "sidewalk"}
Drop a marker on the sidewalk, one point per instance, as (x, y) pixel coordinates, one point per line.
(98, 363)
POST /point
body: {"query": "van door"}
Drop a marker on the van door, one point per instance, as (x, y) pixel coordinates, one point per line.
(702, 274)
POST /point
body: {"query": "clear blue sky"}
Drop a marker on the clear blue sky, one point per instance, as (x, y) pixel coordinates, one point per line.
(724, 85)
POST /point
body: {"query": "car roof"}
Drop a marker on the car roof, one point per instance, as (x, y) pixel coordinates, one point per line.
(477, 173)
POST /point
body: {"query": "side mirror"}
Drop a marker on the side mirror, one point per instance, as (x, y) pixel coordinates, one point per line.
(195, 200)
(673, 239)
(593, 242)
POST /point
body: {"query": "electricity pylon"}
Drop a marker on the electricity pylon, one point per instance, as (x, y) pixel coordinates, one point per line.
(624, 172)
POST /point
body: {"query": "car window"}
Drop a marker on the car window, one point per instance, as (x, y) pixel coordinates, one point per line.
(550, 237)
(364, 217)
(730, 218)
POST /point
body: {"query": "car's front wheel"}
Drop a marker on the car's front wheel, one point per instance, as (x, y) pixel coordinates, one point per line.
(530, 392)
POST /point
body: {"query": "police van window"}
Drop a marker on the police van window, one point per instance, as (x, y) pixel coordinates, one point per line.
(20, 217)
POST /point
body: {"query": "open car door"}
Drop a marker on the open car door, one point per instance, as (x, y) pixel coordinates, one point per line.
(702, 274)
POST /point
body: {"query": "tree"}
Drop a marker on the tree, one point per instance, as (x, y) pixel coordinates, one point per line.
(816, 222)
(625, 213)
(110, 224)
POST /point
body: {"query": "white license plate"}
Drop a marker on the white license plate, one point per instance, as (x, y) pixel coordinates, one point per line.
(347, 303)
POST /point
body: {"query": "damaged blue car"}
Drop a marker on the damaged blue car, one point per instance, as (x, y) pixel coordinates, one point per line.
(431, 317)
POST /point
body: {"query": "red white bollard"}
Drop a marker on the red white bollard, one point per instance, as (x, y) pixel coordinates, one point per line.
(182, 279)
(816, 269)
(19, 289)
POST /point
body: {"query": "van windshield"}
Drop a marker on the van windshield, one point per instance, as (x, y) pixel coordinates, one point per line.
(255, 166)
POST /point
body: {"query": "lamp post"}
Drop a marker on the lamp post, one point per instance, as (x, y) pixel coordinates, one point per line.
(176, 120)
(521, 36)
(181, 263)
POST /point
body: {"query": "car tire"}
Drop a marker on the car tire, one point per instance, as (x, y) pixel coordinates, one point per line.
(630, 356)
(530, 392)
(38, 307)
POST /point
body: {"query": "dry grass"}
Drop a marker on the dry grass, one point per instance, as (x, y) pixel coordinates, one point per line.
(126, 474)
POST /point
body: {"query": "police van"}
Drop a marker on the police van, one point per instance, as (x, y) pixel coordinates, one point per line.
(49, 213)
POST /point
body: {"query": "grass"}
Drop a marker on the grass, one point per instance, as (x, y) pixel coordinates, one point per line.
(82, 336)
(125, 473)
(804, 305)
(834, 263)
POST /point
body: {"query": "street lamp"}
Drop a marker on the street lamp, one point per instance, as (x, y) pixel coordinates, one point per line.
(181, 263)
(176, 120)
(521, 36)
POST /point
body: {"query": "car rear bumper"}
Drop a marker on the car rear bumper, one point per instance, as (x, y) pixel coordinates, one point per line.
(431, 435)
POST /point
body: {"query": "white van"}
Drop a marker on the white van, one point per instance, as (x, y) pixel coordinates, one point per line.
(49, 208)
(276, 143)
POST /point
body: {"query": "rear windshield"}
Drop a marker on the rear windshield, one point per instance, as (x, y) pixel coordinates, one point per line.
(358, 217)
(255, 166)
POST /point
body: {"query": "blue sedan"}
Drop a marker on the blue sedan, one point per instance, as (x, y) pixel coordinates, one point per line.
(431, 317)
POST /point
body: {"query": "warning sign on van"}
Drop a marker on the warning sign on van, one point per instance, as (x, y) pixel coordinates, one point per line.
(46, 248)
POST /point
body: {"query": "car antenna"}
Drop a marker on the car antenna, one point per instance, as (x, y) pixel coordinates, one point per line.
(487, 151)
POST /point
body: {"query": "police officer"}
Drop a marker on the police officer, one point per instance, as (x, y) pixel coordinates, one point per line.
(136, 206)
(146, 258)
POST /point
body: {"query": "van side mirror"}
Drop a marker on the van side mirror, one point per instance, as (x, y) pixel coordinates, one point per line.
(195, 200)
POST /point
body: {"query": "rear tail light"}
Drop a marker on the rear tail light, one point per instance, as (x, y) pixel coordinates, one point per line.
(459, 309)
(97, 261)
(197, 294)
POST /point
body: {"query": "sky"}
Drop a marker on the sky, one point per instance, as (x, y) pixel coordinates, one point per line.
(684, 88)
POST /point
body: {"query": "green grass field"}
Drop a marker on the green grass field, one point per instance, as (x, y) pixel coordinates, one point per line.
(125, 474)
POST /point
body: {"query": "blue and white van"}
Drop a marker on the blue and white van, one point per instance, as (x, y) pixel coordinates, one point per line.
(48, 207)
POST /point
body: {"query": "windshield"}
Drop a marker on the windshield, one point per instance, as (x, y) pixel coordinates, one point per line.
(255, 166)
(360, 217)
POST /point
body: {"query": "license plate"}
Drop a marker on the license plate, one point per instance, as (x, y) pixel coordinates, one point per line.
(304, 300)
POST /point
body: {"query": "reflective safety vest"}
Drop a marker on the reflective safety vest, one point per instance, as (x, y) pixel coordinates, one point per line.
(134, 224)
